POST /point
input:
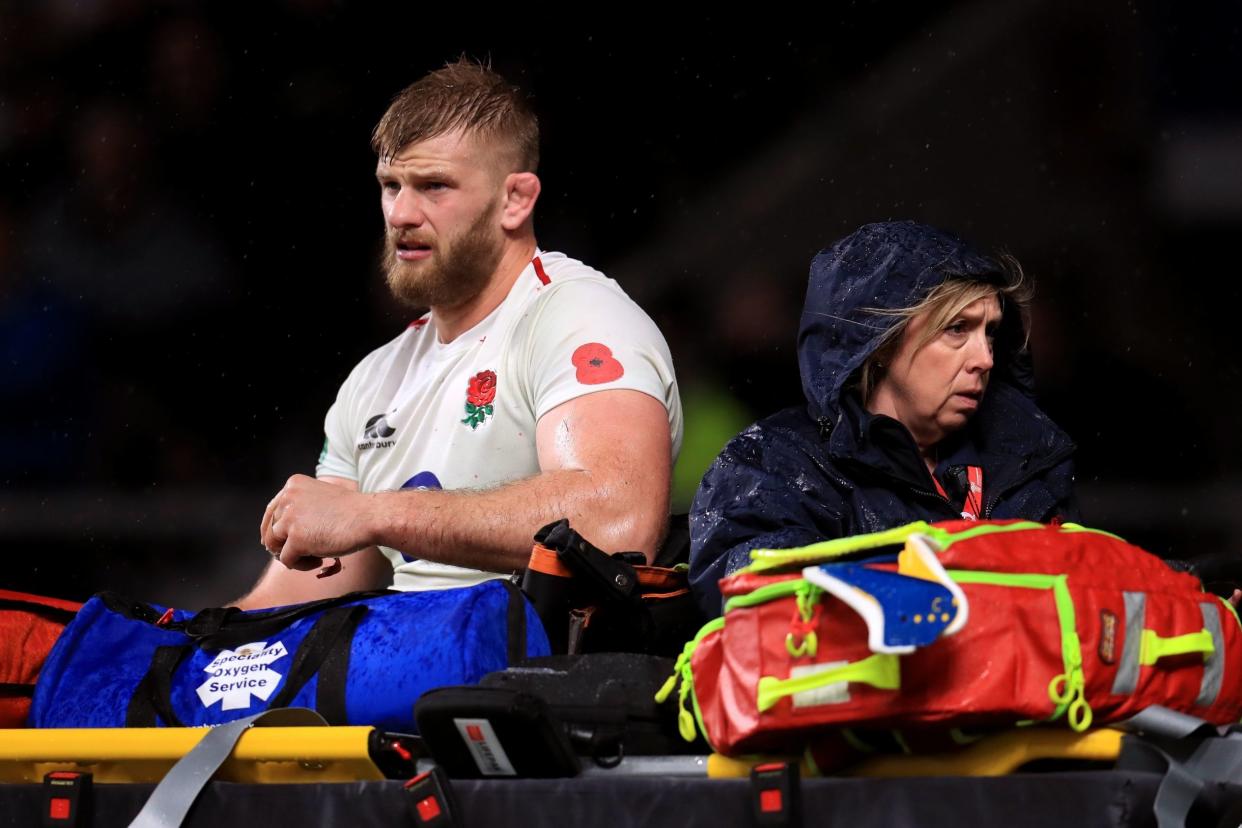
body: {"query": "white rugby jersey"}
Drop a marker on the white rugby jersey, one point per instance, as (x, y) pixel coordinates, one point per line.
(416, 413)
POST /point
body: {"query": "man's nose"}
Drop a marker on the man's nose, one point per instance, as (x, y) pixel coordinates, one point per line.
(404, 209)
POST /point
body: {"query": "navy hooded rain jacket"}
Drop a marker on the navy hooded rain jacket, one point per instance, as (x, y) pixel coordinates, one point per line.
(831, 469)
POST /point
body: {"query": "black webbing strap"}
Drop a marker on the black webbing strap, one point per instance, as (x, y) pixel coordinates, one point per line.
(9, 690)
(220, 628)
(319, 642)
(128, 608)
(228, 627)
(153, 696)
(334, 673)
(516, 623)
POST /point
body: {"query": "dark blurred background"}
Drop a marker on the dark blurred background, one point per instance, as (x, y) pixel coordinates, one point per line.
(189, 228)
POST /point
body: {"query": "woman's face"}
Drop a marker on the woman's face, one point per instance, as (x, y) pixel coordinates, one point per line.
(934, 390)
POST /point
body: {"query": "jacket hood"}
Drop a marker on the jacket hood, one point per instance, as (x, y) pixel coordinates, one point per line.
(883, 266)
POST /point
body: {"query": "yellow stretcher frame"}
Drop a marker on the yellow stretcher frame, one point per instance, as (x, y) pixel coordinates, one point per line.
(992, 756)
(309, 755)
(305, 755)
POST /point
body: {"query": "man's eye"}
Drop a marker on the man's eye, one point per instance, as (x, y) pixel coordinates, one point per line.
(390, 186)
(435, 186)
(958, 327)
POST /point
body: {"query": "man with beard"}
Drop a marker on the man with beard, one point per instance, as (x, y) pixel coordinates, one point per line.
(533, 389)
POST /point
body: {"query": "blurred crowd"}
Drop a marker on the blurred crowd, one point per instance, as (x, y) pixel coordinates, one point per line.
(188, 228)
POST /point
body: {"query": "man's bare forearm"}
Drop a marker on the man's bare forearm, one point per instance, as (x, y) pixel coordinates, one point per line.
(492, 529)
(606, 461)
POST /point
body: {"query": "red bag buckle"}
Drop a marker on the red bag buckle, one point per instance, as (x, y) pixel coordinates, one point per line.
(775, 794)
(432, 799)
(66, 799)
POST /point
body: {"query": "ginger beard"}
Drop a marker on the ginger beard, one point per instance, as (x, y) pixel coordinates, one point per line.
(458, 269)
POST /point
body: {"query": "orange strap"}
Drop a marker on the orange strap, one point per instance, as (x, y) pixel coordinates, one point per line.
(661, 578)
(543, 559)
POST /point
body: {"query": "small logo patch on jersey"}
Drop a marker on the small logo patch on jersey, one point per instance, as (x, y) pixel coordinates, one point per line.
(1108, 637)
(479, 396)
(375, 434)
(596, 364)
(377, 426)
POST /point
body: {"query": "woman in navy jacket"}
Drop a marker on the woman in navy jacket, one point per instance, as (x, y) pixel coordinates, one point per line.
(912, 351)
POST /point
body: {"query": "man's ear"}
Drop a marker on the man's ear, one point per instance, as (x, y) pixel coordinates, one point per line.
(521, 193)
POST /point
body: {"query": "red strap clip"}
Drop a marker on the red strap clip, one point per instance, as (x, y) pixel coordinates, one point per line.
(776, 795)
(432, 799)
(66, 799)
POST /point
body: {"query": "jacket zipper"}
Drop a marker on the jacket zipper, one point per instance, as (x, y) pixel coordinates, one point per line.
(1030, 474)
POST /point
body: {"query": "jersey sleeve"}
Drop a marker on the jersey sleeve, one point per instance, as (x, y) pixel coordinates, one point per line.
(338, 457)
(589, 336)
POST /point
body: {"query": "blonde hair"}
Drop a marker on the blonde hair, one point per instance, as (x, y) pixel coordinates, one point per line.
(941, 306)
(463, 95)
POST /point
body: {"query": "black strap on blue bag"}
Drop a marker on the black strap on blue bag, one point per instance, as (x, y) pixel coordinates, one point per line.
(327, 645)
(334, 671)
(516, 617)
(153, 695)
(219, 628)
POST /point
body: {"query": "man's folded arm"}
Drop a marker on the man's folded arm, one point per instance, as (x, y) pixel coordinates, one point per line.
(605, 462)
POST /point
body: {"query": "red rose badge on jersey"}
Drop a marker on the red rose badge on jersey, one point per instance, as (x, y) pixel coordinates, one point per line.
(479, 397)
(596, 364)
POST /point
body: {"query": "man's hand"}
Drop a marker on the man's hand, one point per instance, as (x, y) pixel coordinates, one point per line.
(309, 520)
(279, 585)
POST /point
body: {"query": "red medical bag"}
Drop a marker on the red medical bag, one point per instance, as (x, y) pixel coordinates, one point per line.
(1064, 624)
(29, 626)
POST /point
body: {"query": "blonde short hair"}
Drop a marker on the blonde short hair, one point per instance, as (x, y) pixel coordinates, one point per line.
(463, 95)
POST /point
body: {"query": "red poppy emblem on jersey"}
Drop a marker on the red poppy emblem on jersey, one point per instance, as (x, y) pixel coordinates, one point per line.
(596, 364)
(479, 396)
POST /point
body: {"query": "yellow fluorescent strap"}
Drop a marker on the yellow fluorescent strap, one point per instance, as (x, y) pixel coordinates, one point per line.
(769, 558)
(1154, 648)
(880, 670)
